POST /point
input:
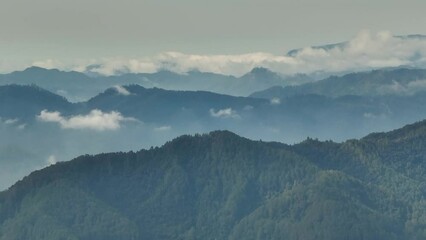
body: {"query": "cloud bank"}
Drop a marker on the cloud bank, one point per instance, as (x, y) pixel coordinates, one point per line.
(365, 51)
(224, 113)
(95, 120)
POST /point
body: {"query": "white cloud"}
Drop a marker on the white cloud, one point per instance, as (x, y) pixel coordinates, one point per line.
(62, 92)
(275, 101)
(365, 51)
(51, 160)
(122, 90)
(370, 115)
(11, 121)
(224, 113)
(162, 128)
(95, 120)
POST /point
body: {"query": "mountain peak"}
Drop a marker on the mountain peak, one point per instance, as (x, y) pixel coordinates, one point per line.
(261, 70)
(218, 135)
(35, 69)
(261, 73)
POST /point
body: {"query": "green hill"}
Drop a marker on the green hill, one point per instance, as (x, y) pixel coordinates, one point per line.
(222, 186)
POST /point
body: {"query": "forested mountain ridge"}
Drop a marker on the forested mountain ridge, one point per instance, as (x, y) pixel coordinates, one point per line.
(222, 186)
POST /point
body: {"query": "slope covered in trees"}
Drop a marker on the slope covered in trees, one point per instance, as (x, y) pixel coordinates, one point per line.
(222, 186)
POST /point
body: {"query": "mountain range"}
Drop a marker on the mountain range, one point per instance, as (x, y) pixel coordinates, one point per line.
(323, 153)
(40, 127)
(222, 186)
(77, 86)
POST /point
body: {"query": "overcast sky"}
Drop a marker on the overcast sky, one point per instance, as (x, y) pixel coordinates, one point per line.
(84, 29)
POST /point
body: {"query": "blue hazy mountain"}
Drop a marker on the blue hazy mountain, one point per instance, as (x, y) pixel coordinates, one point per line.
(229, 187)
(77, 86)
(395, 81)
(73, 85)
(25, 102)
(341, 45)
(289, 119)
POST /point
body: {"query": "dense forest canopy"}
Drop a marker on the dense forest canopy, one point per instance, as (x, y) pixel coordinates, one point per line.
(222, 186)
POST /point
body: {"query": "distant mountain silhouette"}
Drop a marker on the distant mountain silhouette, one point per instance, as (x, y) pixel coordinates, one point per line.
(327, 47)
(78, 86)
(399, 81)
(25, 102)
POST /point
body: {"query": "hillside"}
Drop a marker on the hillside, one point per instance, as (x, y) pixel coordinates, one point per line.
(222, 186)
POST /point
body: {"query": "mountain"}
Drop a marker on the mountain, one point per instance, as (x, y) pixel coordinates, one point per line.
(258, 77)
(288, 119)
(399, 81)
(295, 52)
(222, 186)
(72, 85)
(25, 102)
(76, 86)
(23, 142)
(169, 107)
(340, 45)
(39, 128)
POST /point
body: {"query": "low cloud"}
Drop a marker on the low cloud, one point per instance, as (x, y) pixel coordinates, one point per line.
(374, 116)
(275, 101)
(409, 88)
(95, 120)
(11, 121)
(51, 160)
(224, 113)
(364, 51)
(162, 128)
(122, 90)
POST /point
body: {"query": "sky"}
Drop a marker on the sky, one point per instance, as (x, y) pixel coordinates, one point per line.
(83, 30)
